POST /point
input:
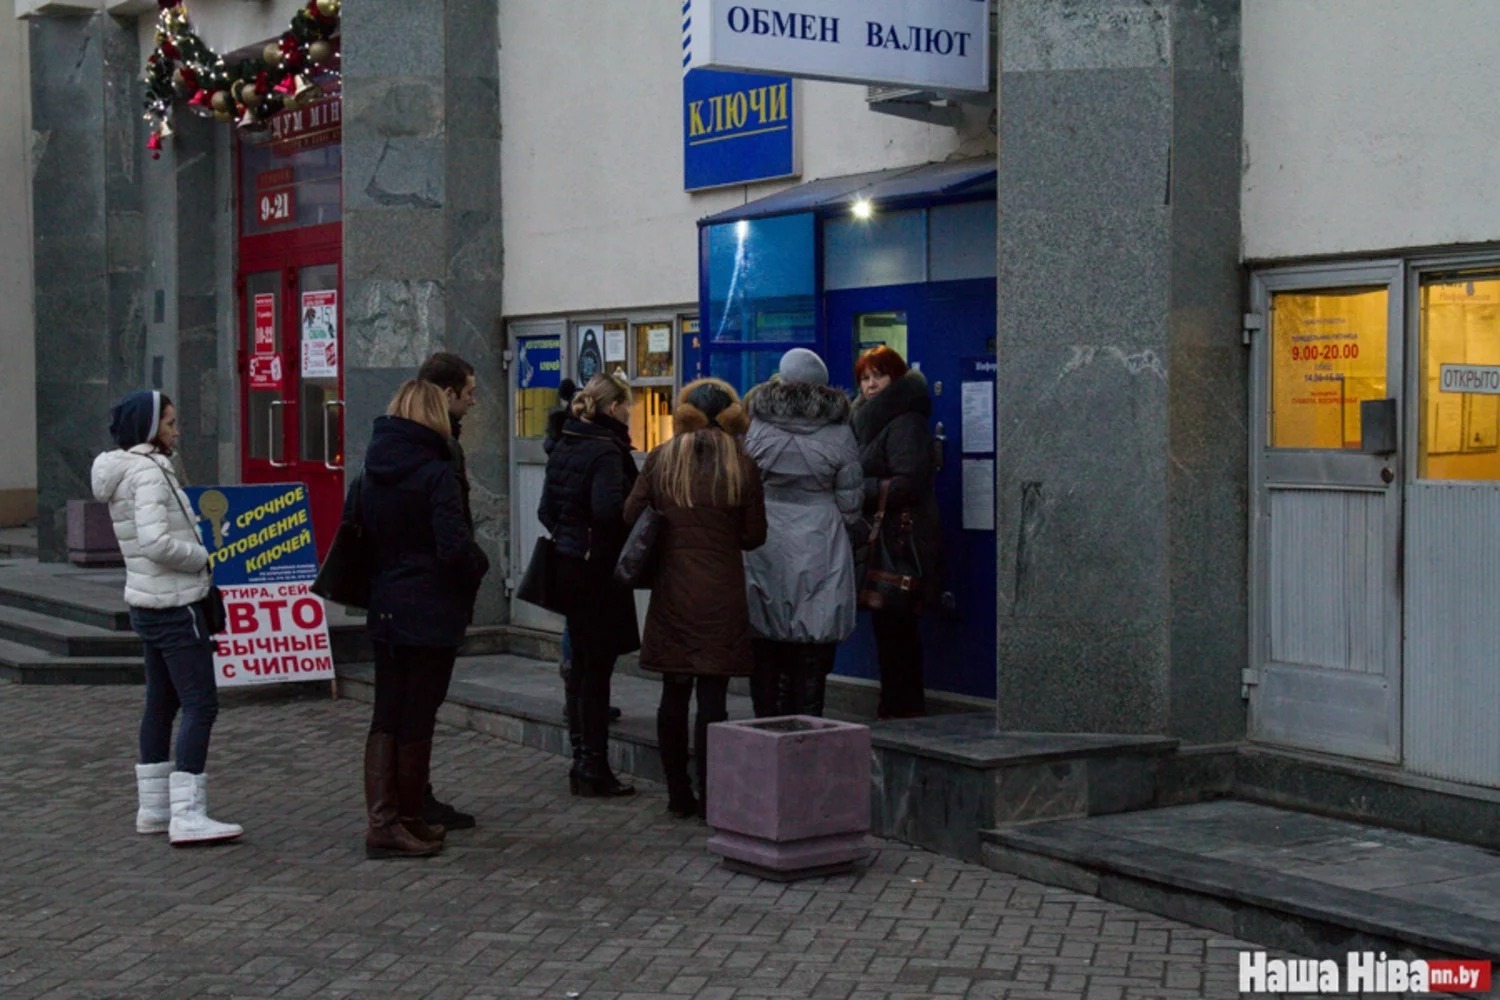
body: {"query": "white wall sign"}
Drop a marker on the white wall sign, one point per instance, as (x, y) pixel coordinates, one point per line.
(1478, 379)
(936, 44)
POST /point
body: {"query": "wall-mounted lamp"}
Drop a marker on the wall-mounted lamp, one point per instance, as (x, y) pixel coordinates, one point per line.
(863, 209)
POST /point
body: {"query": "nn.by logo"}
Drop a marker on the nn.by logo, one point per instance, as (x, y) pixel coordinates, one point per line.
(1363, 972)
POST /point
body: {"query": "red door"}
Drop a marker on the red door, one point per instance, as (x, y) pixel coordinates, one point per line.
(292, 309)
(292, 372)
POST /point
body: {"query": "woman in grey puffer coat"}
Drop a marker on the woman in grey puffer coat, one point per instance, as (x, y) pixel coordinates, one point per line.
(801, 583)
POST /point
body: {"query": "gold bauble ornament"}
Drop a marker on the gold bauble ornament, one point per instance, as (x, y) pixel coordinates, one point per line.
(272, 54)
(224, 116)
(319, 52)
(329, 8)
(222, 103)
(249, 96)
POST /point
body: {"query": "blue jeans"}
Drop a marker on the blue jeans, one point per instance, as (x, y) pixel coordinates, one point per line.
(179, 674)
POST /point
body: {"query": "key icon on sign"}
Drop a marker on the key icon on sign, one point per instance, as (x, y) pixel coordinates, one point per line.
(214, 505)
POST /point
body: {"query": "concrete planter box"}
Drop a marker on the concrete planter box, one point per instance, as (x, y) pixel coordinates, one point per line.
(91, 535)
(789, 797)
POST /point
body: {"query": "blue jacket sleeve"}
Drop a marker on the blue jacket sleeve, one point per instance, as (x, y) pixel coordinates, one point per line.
(448, 526)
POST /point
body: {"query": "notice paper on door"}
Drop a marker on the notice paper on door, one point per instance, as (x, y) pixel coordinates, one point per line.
(979, 418)
(320, 334)
(614, 345)
(979, 494)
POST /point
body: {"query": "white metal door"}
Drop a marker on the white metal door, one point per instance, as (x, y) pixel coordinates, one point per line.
(1326, 516)
(538, 355)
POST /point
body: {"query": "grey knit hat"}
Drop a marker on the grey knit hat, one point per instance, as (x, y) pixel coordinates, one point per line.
(799, 366)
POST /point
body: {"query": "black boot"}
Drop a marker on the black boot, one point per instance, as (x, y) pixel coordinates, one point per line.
(672, 736)
(700, 764)
(438, 813)
(809, 681)
(595, 779)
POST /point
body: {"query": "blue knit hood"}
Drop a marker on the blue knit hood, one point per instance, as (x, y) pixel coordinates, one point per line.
(135, 419)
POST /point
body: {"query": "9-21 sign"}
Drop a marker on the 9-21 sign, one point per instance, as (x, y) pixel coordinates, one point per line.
(275, 197)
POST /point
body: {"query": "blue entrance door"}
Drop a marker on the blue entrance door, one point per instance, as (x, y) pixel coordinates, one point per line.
(947, 329)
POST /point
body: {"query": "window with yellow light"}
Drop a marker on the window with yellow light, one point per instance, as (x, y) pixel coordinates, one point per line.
(1459, 331)
(1328, 354)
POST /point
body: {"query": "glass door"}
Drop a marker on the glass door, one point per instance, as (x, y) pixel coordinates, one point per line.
(320, 395)
(1326, 601)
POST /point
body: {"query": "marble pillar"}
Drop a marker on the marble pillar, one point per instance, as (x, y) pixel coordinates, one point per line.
(422, 238)
(88, 228)
(1122, 480)
(181, 275)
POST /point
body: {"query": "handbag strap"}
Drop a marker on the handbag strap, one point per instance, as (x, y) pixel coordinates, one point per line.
(191, 520)
(885, 495)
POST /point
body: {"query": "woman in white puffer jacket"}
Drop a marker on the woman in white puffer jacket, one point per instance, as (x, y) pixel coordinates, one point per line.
(166, 576)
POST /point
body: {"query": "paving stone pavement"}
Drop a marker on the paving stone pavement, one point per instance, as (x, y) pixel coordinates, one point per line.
(551, 897)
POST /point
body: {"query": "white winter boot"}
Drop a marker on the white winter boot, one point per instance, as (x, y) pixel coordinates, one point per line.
(155, 812)
(190, 822)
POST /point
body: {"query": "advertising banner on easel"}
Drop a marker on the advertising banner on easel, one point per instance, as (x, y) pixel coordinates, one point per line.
(260, 546)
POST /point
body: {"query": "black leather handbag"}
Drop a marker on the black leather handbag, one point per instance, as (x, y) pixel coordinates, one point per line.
(345, 575)
(637, 566)
(539, 585)
(891, 578)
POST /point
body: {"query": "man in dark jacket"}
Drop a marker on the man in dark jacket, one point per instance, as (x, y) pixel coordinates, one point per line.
(456, 378)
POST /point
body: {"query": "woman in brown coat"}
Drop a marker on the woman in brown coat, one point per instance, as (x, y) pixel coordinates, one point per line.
(709, 495)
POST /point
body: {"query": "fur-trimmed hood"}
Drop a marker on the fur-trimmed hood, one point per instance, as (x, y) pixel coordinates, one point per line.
(797, 406)
(907, 394)
(687, 418)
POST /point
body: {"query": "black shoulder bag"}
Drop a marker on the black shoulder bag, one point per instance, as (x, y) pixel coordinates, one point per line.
(637, 566)
(344, 577)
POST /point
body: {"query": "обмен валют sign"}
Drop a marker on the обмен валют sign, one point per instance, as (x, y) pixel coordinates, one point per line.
(932, 44)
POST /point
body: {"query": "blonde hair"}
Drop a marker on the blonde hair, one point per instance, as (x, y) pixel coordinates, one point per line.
(602, 392)
(423, 403)
(700, 439)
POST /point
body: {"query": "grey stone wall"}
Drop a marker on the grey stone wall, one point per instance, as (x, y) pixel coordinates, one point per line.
(422, 238)
(181, 273)
(88, 238)
(1122, 383)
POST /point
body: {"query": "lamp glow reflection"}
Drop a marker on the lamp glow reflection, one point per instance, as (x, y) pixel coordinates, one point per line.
(742, 229)
(863, 209)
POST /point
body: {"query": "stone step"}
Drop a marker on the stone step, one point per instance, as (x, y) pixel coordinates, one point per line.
(63, 637)
(23, 664)
(1313, 885)
(77, 597)
(937, 782)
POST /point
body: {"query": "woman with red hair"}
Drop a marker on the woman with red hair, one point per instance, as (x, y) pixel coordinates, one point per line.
(897, 455)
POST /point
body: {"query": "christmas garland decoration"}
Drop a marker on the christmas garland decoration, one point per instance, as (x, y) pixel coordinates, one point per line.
(184, 70)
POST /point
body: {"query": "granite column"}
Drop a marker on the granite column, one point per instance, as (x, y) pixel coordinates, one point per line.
(88, 140)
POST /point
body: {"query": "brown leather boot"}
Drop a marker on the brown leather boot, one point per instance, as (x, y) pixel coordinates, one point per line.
(386, 836)
(412, 764)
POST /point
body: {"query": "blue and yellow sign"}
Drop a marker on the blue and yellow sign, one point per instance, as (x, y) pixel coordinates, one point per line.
(540, 360)
(736, 128)
(256, 534)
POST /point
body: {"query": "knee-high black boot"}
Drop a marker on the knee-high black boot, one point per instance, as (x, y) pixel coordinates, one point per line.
(672, 737)
(595, 779)
(810, 680)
